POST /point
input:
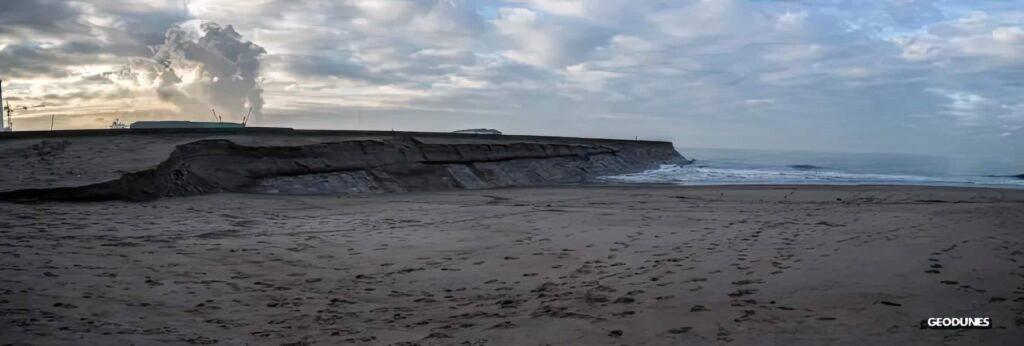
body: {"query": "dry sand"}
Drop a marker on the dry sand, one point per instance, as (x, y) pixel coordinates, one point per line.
(560, 265)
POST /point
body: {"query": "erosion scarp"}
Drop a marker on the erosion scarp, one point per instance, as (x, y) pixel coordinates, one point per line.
(397, 164)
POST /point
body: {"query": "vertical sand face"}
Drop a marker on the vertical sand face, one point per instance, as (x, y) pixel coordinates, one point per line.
(568, 265)
(397, 163)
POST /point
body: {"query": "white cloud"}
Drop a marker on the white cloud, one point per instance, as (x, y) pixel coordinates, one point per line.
(791, 20)
(853, 72)
(967, 108)
(1013, 112)
(1008, 34)
(680, 69)
(559, 7)
(917, 48)
(794, 53)
(533, 45)
(759, 102)
(584, 78)
(977, 34)
(707, 20)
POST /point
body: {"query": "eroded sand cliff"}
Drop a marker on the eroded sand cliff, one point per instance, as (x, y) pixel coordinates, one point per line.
(322, 162)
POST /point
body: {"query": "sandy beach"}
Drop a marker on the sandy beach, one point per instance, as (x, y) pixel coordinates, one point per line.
(551, 265)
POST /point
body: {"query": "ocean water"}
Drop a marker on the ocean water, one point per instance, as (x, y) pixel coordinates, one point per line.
(731, 166)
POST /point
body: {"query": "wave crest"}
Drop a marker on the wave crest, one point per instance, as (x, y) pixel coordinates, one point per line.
(706, 175)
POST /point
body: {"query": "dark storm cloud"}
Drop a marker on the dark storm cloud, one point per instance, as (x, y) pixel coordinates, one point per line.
(337, 65)
(27, 60)
(96, 79)
(86, 95)
(79, 47)
(134, 28)
(149, 27)
(37, 16)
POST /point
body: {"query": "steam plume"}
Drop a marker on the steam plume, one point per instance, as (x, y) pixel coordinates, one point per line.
(200, 66)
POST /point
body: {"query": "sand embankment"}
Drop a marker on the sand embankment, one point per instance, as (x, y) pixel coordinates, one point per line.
(137, 165)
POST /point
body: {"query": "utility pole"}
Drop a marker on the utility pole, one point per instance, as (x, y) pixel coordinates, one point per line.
(51, 122)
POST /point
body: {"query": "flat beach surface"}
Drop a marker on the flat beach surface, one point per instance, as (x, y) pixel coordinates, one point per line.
(558, 265)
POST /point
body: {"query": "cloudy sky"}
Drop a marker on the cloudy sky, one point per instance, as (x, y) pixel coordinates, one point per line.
(938, 77)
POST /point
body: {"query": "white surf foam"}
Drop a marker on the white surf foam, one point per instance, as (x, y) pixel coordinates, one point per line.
(704, 175)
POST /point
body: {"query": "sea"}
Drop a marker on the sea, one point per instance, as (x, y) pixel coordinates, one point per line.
(736, 166)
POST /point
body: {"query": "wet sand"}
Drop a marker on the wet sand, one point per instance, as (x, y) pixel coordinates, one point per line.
(558, 265)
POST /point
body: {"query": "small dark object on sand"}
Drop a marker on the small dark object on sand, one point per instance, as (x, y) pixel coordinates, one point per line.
(680, 330)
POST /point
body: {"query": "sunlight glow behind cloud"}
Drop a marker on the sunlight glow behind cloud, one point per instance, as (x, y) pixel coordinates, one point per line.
(909, 76)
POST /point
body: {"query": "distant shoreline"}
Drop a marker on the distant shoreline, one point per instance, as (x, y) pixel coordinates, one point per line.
(793, 186)
(790, 185)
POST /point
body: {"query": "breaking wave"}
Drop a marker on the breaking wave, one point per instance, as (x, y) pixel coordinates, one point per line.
(708, 175)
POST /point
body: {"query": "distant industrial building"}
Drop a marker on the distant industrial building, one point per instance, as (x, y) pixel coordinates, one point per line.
(184, 125)
(479, 131)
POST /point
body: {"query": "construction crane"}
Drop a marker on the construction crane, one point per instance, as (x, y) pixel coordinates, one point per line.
(118, 124)
(10, 116)
(246, 118)
(9, 125)
(4, 128)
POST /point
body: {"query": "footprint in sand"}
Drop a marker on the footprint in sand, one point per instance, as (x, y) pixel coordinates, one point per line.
(743, 292)
(748, 282)
(680, 330)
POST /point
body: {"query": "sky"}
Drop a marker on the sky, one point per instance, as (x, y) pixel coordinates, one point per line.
(903, 76)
